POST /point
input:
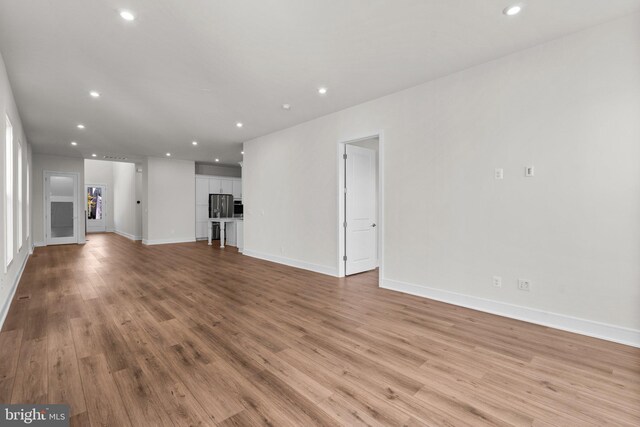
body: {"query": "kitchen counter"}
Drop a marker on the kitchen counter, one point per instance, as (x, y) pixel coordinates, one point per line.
(221, 221)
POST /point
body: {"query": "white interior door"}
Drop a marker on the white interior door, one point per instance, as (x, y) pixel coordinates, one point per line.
(61, 195)
(360, 209)
(96, 208)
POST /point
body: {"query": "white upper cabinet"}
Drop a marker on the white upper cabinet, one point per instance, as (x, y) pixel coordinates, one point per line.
(237, 189)
(202, 191)
(220, 186)
(214, 185)
(226, 186)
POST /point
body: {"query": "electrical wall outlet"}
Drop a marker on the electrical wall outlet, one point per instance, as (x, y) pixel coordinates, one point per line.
(497, 281)
(498, 173)
(524, 285)
(528, 171)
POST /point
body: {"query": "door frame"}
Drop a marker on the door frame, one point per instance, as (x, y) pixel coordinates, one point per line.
(104, 202)
(341, 204)
(79, 207)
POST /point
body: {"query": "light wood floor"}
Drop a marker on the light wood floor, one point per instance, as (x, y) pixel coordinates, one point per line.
(193, 335)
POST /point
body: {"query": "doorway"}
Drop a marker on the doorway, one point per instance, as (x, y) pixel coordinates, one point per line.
(359, 205)
(96, 208)
(61, 204)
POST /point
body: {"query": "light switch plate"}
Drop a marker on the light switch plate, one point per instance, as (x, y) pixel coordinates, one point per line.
(499, 173)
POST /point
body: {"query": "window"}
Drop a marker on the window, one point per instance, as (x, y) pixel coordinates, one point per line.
(8, 195)
(19, 196)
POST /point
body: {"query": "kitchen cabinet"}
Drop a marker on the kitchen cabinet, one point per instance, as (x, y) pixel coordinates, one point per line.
(202, 191)
(231, 233)
(237, 189)
(226, 186)
(221, 185)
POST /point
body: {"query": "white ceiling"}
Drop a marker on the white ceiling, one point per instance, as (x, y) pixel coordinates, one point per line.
(189, 70)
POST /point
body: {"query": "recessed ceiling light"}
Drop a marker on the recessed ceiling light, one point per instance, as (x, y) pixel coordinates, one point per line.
(194, 142)
(80, 126)
(94, 94)
(512, 10)
(239, 124)
(168, 154)
(242, 152)
(74, 143)
(217, 160)
(286, 106)
(94, 155)
(322, 91)
(127, 16)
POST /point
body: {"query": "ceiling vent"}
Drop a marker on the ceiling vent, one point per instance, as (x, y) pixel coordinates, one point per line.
(114, 158)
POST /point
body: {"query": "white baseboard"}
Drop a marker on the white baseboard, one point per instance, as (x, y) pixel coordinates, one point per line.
(127, 235)
(12, 292)
(110, 230)
(331, 271)
(576, 325)
(166, 241)
(39, 244)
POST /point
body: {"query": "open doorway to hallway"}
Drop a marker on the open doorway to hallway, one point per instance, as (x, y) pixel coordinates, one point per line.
(112, 192)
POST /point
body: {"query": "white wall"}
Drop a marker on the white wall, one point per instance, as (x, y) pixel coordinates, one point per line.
(124, 197)
(22, 244)
(101, 172)
(42, 163)
(570, 107)
(169, 208)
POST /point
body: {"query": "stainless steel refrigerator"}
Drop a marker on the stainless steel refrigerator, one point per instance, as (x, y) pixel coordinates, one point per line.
(220, 206)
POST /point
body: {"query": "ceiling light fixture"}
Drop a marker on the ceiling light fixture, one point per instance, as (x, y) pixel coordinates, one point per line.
(127, 16)
(168, 154)
(94, 155)
(239, 124)
(194, 142)
(322, 91)
(512, 10)
(217, 160)
(74, 143)
(94, 94)
(80, 126)
(242, 152)
(286, 106)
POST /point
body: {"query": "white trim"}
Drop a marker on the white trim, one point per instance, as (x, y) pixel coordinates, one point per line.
(39, 244)
(323, 269)
(166, 241)
(340, 192)
(128, 236)
(563, 322)
(12, 292)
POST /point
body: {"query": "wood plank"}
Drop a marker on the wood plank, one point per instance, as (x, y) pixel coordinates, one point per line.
(143, 405)
(30, 384)
(104, 402)
(10, 342)
(64, 383)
